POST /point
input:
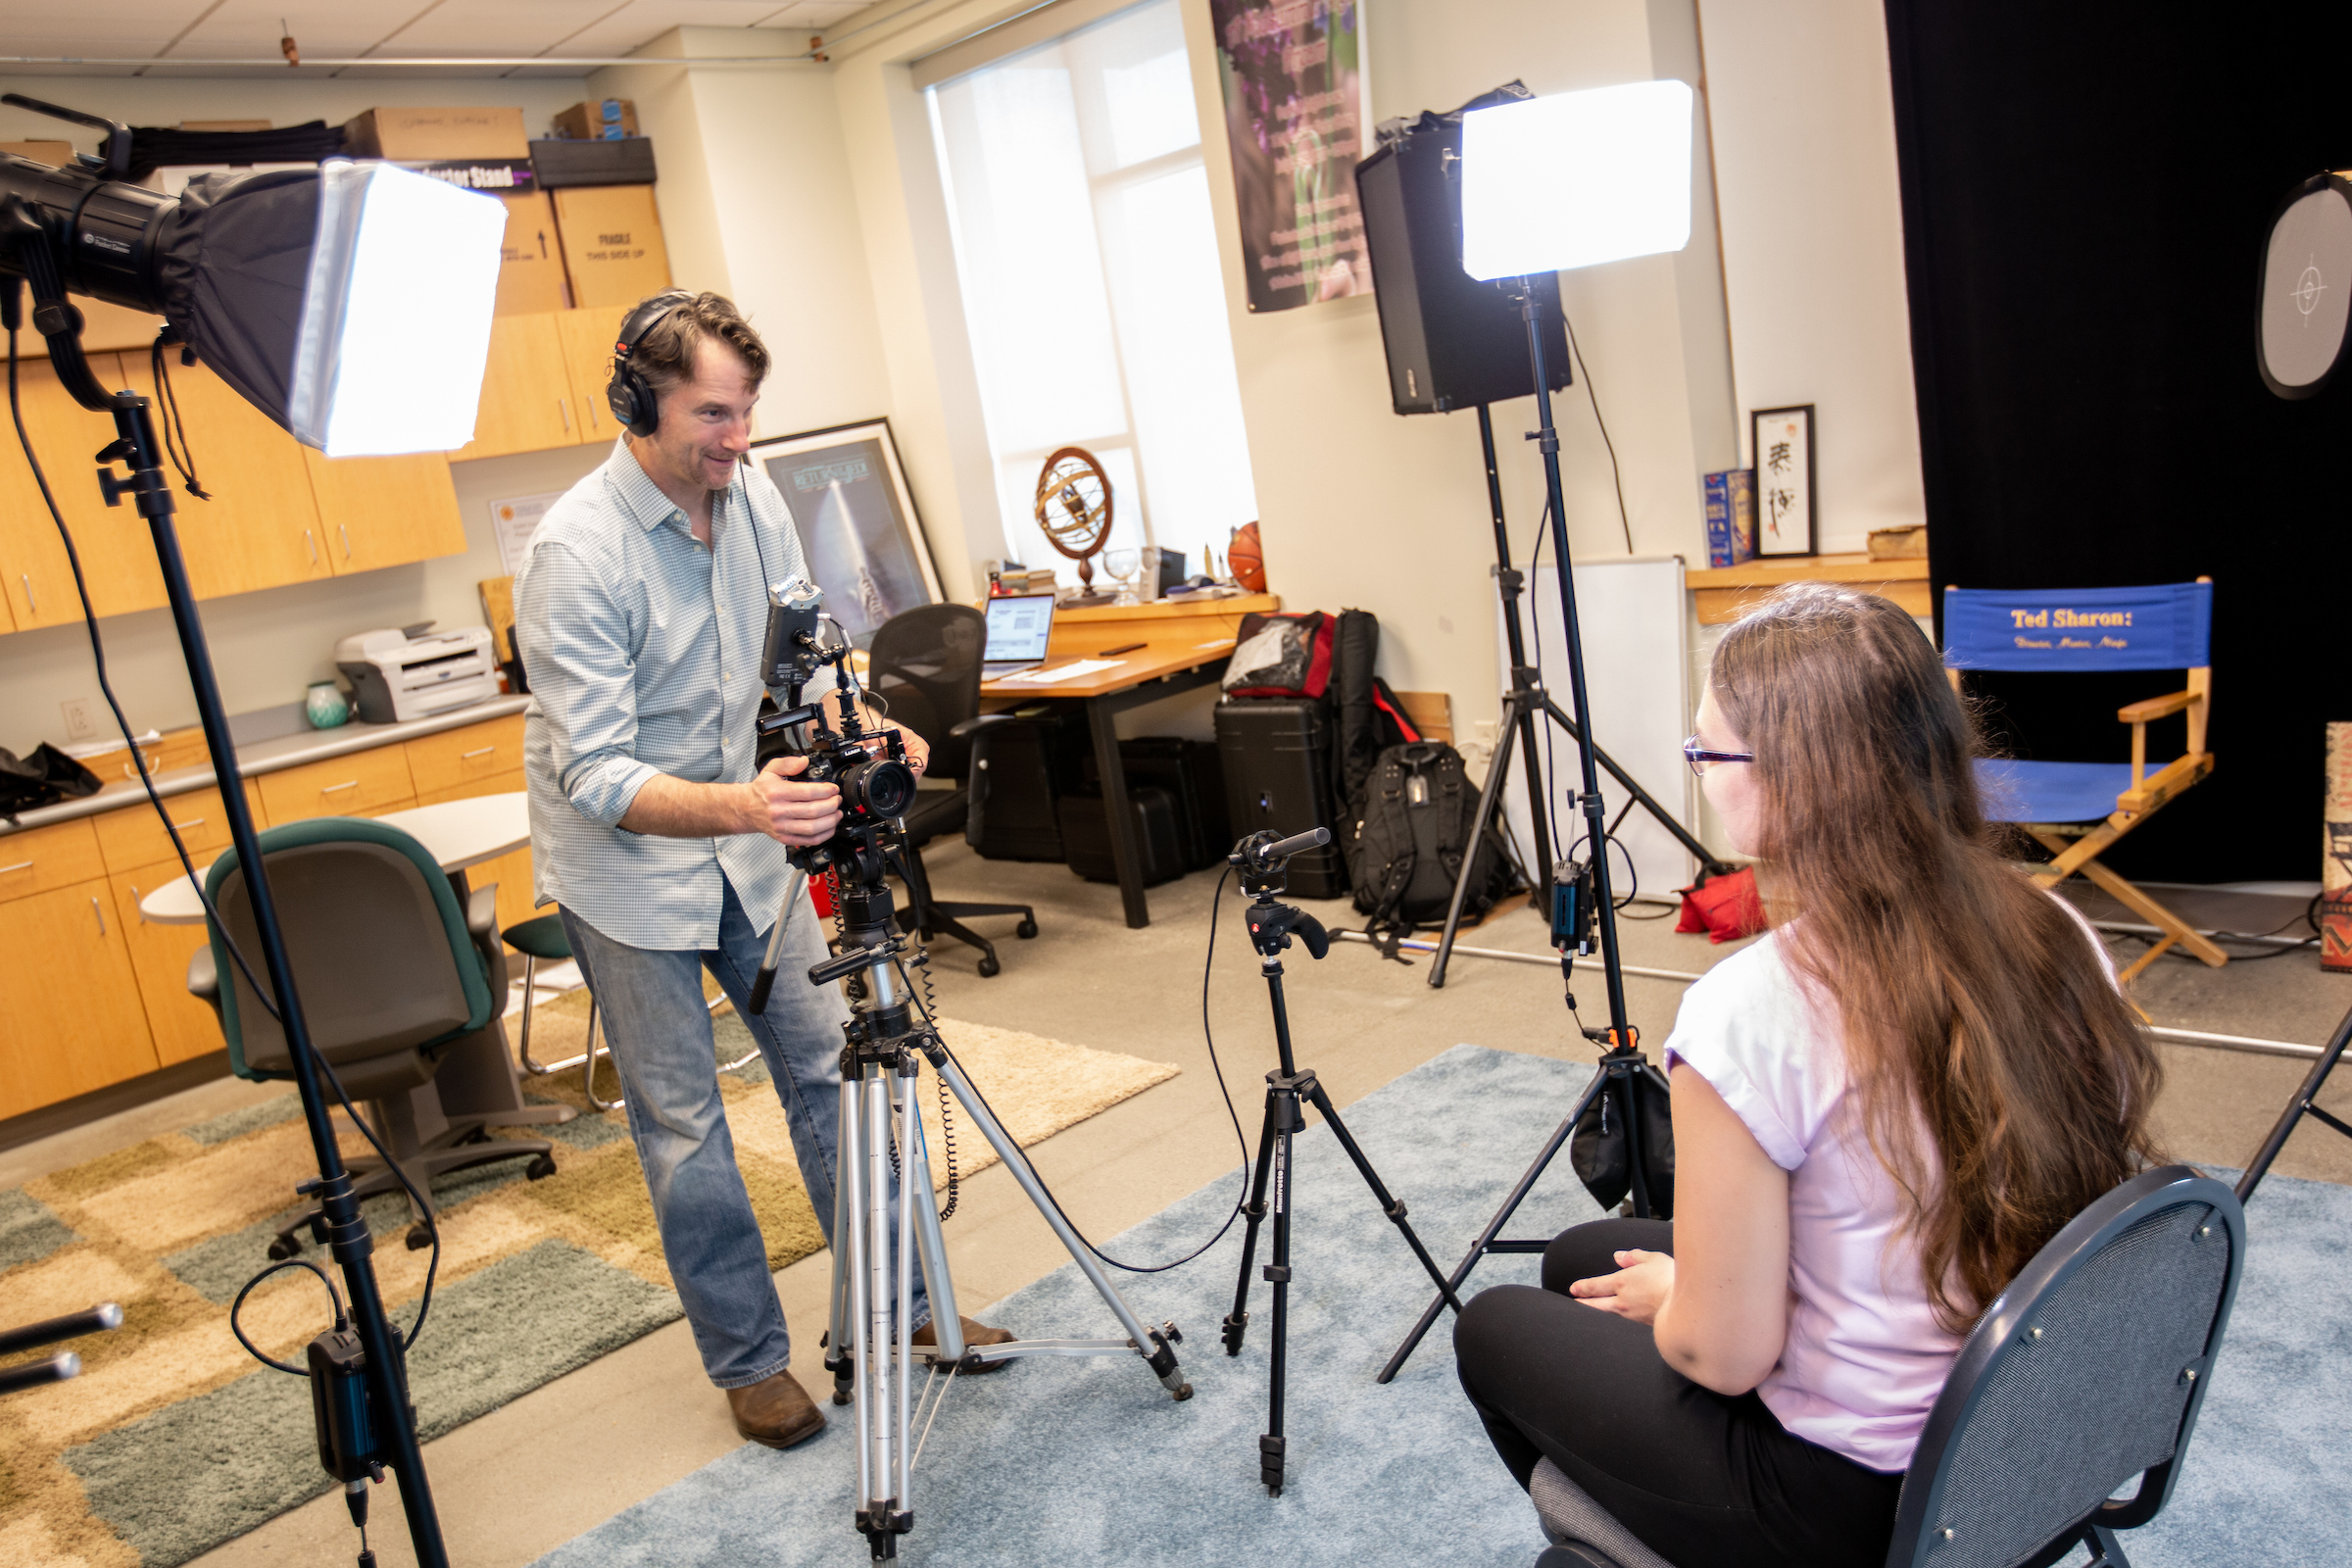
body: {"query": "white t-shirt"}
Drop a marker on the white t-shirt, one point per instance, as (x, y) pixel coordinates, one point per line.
(1865, 1360)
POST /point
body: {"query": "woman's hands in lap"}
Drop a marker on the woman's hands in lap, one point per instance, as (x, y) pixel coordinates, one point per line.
(1638, 1288)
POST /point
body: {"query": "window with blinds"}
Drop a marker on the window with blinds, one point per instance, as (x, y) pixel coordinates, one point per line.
(1088, 261)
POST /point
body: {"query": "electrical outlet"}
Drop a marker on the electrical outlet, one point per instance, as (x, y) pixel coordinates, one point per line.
(81, 719)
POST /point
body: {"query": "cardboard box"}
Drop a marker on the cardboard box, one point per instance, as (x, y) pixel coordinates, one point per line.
(530, 268)
(613, 249)
(559, 163)
(426, 135)
(606, 121)
(56, 154)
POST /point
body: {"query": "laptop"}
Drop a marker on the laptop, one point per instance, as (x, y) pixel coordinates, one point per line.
(1019, 626)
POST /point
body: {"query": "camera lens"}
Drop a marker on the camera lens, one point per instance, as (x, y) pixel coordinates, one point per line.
(879, 788)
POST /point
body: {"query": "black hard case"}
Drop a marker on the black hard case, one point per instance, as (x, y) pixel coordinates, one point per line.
(1277, 758)
(1158, 833)
(1193, 773)
(1031, 764)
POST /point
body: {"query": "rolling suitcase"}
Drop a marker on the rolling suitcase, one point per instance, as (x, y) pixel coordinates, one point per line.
(1025, 770)
(1190, 772)
(1085, 835)
(1276, 754)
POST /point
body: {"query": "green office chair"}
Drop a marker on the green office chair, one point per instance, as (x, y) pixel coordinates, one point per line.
(395, 976)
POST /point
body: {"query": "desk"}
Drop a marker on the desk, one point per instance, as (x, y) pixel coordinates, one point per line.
(455, 833)
(1185, 648)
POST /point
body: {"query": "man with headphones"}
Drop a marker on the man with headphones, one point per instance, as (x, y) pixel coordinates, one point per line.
(639, 614)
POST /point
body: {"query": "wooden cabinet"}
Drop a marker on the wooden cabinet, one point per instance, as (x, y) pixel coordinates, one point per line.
(74, 1020)
(466, 756)
(588, 339)
(132, 839)
(46, 859)
(179, 1026)
(359, 784)
(118, 554)
(384, 511)
(261, 528)
(527, 400)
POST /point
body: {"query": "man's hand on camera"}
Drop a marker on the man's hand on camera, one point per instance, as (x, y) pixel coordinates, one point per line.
(1638, 1288)
(918, 749)
(788, 811)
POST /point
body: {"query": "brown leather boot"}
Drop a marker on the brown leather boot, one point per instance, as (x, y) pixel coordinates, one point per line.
(973, 1334)
(776, 1412)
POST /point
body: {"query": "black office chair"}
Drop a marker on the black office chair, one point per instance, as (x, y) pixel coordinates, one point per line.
(925, 667)
(2085, 1372)
(395, 972)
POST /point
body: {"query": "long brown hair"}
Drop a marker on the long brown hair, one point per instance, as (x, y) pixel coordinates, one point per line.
(1973, 1004)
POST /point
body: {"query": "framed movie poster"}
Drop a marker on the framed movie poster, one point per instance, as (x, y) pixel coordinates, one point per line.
(858, 530)
(1780, 443)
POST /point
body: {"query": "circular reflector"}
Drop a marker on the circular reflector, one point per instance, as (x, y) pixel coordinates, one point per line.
(2306, 288)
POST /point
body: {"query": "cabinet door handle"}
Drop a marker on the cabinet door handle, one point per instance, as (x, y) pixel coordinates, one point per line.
(21, 866)
(312, 544)
(564, 407)
(134, 903)
(479, 750)
(192, 822)
(101, 914)
(346, 533)
(30, 603)
(588, 404)
(347, 784)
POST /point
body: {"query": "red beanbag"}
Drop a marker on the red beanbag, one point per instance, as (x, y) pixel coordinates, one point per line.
(1727, 909)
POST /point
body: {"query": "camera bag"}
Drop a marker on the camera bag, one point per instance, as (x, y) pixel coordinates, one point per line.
(1276, 757)
(1599, 1153)
(1281, 656)
(1409, 833)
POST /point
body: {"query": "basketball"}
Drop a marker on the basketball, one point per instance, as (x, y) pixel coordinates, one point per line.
(1246, 562)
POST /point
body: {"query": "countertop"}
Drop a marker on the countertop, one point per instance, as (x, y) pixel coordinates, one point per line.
(270, 756)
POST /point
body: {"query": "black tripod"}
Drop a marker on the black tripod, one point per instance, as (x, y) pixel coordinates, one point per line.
(2297, 1109)
(1621, 1059)
(1522, 705)
(348, 1240)
(1262, 860)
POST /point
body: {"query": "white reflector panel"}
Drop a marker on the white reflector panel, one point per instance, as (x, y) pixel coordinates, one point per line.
(1576, 180)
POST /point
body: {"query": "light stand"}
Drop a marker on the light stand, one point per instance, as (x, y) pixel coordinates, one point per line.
(346, 1238)
(1522, 705)
(1264, 859)
(2305, 1103)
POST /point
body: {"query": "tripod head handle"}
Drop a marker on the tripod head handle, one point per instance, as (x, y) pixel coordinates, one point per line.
(1272, 925)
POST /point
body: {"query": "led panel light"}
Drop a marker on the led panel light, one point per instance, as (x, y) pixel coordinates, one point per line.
(1576, 180)
(396, 313)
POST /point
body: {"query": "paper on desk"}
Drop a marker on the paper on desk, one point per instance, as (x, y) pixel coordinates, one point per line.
(1062, 672)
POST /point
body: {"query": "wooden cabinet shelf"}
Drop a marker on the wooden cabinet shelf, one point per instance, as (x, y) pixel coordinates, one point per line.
(1723, 594)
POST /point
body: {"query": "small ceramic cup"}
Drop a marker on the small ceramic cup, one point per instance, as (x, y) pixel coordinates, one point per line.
(324, 706)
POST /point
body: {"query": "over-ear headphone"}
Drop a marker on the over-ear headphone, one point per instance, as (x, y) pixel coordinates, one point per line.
(629, 394)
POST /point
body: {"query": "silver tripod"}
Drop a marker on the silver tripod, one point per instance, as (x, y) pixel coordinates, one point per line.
(869, 1350)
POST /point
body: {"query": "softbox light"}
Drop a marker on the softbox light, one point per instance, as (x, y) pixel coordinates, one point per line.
(2306, 298)
(1576, 178)
(351, 304)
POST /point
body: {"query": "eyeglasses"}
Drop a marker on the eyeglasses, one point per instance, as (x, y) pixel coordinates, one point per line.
(1699, 758)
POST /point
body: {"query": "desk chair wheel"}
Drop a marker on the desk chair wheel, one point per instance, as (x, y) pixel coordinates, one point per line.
(420, 1236)
(283, 1248)
(541, 1168)
(989, 965)
(1025, 930)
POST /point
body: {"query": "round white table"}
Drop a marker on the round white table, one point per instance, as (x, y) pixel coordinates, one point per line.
(455, 833)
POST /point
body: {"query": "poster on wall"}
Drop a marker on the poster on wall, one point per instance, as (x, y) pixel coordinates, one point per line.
(858, 530)
(1295, 118)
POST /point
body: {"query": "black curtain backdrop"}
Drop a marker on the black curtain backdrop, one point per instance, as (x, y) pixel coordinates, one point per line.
(2086, 193)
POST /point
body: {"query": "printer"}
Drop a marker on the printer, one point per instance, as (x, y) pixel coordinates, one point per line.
(415, 672)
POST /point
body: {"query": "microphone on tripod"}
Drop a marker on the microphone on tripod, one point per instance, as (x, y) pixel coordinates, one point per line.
(1263, 852)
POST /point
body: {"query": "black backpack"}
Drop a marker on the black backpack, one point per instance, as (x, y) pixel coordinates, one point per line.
(1407, 834)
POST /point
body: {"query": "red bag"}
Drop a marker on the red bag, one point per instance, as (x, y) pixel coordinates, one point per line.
(1727, 909)
(1281, 656)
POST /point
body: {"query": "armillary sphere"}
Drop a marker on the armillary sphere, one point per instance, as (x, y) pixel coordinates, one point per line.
(1073, 508)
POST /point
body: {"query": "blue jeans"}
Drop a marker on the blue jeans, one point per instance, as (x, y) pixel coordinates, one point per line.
(651, 1008)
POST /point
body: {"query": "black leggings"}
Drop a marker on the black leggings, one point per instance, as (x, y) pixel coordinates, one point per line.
(1703, 1478)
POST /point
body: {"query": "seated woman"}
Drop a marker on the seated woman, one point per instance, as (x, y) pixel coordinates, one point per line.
(1881, 1111)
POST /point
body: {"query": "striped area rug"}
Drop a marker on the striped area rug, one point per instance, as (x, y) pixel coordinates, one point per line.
(173, 1439)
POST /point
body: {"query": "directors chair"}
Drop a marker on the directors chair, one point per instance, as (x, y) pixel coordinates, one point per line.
(2076, 809)
(2088, 1371)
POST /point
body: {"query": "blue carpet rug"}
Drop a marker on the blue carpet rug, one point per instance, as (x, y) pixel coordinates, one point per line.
(1089, 1461)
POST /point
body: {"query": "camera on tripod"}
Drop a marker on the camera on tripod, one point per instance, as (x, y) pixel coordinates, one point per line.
(875, 790)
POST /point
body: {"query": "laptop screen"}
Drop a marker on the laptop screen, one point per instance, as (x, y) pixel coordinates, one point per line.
(1019, 627)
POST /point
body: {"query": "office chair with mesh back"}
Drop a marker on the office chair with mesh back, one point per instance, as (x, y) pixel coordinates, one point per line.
(926, 665)
(2085, 1372)
(394, 974)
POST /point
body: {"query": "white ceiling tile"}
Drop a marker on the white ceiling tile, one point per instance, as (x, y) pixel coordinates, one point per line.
(644, 21)
(325, 30)
(817, 14)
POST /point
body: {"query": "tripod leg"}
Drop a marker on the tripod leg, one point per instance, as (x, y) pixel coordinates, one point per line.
(1705, 857)
(1278, 1273)
(1252, 1214)
(931, 1250)
(2260, 1165)
(1503, 1216)
(1392, 1206)
(1490, 798)
(880, 1299)
(852, 1181)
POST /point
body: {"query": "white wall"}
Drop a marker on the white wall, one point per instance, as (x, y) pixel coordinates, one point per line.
(1813, 244)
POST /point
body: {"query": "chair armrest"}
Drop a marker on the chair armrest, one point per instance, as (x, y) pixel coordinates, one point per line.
(980, 721)
(204, 978)
(481, 911)
(2156, 707)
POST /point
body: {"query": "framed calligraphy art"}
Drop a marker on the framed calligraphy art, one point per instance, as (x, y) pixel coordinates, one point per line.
(1787, 505)
(860, 533)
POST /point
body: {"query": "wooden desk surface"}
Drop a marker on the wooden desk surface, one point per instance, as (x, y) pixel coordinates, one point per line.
(1168, 654)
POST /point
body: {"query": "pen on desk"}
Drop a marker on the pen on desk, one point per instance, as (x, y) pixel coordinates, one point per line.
(1123, 647)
